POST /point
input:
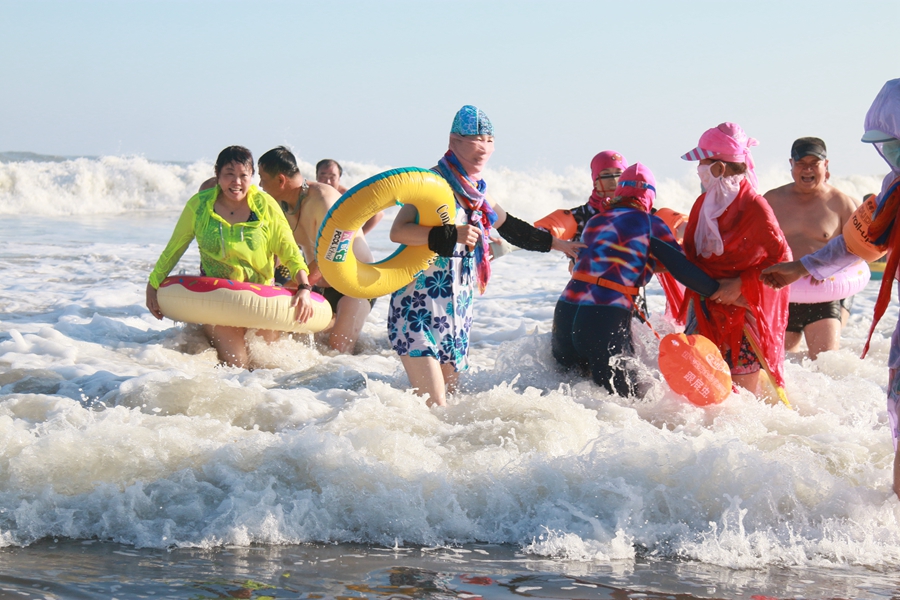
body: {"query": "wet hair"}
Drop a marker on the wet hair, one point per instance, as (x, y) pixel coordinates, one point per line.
(237, 154)
(734, 168)
(279, 161)
(327, 162)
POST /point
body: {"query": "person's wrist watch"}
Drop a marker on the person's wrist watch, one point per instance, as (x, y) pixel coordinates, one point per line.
(303, 286)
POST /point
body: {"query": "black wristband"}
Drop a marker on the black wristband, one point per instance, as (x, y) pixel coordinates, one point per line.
(442, 240)
(525, 236)
(303, 286)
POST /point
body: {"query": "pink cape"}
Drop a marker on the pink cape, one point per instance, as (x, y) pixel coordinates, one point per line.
(753, 241)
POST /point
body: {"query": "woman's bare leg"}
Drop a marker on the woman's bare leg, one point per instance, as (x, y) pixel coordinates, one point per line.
(451, 377)
(427, 378)
(750, 382)
(229, 344)
(348, 322)
(896, 484)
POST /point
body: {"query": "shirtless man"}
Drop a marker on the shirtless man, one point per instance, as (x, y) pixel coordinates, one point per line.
(810, 213)
(329, 171)
(305, 204)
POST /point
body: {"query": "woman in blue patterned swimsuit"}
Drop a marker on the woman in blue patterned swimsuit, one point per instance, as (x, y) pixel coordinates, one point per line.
(429, 320)
(625, 245)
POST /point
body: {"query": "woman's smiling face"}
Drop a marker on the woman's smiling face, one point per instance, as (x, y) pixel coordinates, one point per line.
(235, 179)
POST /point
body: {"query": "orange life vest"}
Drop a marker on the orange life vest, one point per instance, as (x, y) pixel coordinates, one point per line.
(560, 223)
(856, 232)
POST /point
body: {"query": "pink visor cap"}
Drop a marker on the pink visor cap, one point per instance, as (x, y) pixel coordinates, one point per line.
(727, 142)
(637, 182)
(607, 160)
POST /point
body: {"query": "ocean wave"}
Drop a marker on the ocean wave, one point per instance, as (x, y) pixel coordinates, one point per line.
(56, 186)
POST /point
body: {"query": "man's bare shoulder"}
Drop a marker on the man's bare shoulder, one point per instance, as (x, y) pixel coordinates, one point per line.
(841, 203)
(319, 200)
(780, 195)
(779, 191)
(324, 193)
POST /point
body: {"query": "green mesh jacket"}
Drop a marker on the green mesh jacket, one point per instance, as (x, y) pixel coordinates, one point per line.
(242, 252)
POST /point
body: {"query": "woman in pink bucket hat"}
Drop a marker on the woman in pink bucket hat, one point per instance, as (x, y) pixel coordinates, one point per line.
(732, 234)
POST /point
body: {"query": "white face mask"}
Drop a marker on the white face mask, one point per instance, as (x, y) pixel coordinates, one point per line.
(891, 152)
(705, 176)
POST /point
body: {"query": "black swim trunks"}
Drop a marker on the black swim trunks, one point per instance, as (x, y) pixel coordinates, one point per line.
(801, 315)
(333, 296)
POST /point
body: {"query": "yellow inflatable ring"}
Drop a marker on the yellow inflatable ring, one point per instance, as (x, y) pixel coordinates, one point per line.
(422, 188)
(215, 301)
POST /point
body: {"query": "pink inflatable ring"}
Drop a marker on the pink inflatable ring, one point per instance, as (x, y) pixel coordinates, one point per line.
(215, 301)
(842, 284)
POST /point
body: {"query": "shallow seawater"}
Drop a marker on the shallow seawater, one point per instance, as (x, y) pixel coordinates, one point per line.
(127, 458)
(90, 569)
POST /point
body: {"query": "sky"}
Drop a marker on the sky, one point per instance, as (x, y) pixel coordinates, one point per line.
(379, 81)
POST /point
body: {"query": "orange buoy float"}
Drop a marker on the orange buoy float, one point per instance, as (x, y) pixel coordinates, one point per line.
(694, 368)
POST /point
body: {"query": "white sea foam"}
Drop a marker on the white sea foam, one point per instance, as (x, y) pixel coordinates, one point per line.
(116, 426)
(112, 185)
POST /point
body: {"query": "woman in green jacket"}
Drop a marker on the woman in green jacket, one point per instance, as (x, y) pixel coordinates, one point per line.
(239, 230)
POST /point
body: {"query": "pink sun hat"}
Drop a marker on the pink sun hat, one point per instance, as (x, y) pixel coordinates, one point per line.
(637, 182)
(608, 159)
(726, 142)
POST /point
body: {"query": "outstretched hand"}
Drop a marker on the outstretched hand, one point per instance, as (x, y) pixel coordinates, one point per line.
(153, 302)
(570, 249)
(783, 274)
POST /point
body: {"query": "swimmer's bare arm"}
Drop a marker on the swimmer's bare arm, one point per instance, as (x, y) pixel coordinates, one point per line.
(321, 198)
(315, 275)
(777, 202)
(372, 222)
